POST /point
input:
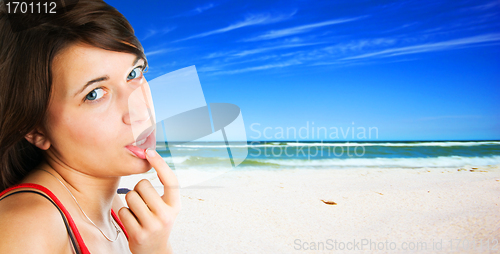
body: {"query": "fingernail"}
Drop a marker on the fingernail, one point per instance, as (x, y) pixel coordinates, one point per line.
(150, 152)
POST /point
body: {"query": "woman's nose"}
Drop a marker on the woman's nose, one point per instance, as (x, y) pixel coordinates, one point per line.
(139, 108)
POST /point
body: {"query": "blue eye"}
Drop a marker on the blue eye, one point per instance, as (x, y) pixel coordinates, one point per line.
(135, 73)
(95, 94)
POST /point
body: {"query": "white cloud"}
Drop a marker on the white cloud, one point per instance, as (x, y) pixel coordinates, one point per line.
(216, 55)
(428, 47)
(360, 45)
(198, 10)
(159, 51)
(484, 7)
(261, 67)
(273, 34)
(218, 66)
(259, 50)
(203, 8)
(250, 20)
(153, 32)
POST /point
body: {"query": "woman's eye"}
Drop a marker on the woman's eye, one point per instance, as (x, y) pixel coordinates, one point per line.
(135, 73)
(95, 94)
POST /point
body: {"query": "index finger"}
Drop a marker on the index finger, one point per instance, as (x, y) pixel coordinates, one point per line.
(171, 194)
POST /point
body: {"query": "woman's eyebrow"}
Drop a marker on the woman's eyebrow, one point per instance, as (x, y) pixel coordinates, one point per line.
(100, 79)
(103, 78)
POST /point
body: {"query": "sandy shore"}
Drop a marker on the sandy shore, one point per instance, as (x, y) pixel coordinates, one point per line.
(377, 209)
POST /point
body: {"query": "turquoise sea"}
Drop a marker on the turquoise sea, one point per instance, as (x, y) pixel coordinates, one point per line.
(272, 155)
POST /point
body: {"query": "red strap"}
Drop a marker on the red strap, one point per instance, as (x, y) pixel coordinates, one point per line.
(72, 224)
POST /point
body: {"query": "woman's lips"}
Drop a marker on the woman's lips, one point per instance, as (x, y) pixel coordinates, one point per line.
(138, 148)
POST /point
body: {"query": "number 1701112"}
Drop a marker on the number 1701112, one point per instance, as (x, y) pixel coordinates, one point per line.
(23, 7)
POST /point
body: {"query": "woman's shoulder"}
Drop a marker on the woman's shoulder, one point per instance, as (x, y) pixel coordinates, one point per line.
(29, 223)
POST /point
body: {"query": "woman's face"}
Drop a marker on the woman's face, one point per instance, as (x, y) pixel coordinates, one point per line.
(100, 106)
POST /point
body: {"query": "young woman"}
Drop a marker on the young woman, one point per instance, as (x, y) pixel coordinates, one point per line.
(70, 128)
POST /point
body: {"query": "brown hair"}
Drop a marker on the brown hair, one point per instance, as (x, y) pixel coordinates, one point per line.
(25, 72)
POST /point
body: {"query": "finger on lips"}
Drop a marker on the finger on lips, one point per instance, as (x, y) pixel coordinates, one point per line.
(143, 201)
(167, 177)
(149, 214)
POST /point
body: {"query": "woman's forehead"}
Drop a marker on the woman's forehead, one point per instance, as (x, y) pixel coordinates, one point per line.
(76, 65)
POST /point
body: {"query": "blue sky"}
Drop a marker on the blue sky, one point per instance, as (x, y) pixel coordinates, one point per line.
(415, 70)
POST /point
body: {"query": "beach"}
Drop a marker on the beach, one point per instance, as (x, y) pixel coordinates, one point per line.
(394, 210)
(323, 197)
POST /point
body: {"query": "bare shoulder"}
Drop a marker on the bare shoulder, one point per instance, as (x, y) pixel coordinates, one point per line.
(29, 223)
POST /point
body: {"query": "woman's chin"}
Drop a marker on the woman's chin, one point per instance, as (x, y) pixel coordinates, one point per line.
(142, 166)
(135, 165)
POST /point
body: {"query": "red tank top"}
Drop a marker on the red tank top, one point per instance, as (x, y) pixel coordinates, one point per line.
(70, 224)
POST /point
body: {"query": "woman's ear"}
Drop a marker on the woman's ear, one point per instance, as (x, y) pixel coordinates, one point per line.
(38, 138)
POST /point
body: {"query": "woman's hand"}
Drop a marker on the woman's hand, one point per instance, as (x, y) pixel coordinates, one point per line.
(149, 218)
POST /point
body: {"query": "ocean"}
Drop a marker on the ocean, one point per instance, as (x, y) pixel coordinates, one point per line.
(273, 155)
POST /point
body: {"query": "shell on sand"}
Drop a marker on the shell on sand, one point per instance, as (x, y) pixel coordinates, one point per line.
(328, 202)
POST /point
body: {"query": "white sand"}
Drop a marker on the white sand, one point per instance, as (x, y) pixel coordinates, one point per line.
(281, 211)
